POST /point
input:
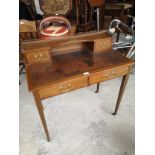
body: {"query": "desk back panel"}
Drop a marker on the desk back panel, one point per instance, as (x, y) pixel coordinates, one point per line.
(41, 50)
(57, 41)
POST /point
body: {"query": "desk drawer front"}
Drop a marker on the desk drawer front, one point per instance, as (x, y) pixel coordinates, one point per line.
(38, 56)
(106, 75)
(102, 45)
(63, 87)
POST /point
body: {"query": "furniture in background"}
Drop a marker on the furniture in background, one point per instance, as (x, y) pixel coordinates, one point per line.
(123, 35)
(27, 31)
(97, 4)
(56, 7)
(27, 10)
(89, 14)
(60, 8)
(64, 64)
(117, 9)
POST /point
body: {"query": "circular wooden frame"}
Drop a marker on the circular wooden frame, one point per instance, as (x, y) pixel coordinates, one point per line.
(65, 29)
(56, 7)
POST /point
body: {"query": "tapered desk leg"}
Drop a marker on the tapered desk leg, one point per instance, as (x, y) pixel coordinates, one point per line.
(121, 91)
(42, 106)
(98, 87)
(41, 113)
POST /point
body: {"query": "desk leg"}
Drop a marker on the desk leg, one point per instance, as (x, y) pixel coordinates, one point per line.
(41, 113)
(121, 91)
(98, 87)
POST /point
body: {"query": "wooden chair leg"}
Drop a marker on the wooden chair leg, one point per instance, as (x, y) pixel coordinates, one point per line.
(41, 113)
(98, 87)
(121, 92)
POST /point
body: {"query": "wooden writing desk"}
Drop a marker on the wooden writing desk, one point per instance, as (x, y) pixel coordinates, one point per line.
(68, 63)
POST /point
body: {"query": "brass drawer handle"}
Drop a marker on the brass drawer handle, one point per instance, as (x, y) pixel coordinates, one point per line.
(65, 89)
(38, 56)
(103, 44)
(110, 75)
(106, 75)
(41, 55)
(35, 56)
(69, 85)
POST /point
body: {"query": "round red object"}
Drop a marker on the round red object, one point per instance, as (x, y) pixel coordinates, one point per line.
(54, 26)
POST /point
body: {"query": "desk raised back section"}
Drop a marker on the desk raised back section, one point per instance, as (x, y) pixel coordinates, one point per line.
(41, 50)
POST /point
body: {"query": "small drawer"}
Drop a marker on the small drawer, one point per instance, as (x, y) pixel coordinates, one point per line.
(106, 75)
(103, 45)
(63, 87)
(38, 56)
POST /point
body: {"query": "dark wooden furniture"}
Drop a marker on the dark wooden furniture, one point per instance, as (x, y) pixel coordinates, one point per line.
(96, 3)
(86, 14)
(64, 64)
(117, 10)
(27, 10)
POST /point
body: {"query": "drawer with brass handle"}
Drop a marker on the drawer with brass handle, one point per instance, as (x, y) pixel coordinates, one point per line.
(102, 45)
(106, 75)
(39, 56)
(66, 88)
(63, 87)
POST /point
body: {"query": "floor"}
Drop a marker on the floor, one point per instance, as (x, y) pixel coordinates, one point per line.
(79, 122)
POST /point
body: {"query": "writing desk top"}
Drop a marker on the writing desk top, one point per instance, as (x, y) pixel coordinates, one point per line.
(73, 64)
